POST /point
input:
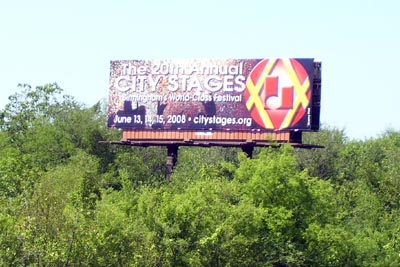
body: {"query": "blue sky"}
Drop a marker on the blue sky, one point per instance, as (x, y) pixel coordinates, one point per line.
(72, 43)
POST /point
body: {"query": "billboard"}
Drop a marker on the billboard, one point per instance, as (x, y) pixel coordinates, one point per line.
(213, 94)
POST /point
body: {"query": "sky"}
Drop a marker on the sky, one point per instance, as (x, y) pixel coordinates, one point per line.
(72, 43)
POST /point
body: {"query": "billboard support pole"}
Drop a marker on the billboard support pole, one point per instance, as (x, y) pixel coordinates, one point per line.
(248, 149)
(172, 158)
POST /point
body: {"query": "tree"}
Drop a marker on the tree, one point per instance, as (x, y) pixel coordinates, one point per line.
(322, 162)
(55, 226)
(293, 202)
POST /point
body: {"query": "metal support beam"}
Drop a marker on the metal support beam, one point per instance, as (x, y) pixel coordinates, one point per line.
(248, 149)
(172, 158)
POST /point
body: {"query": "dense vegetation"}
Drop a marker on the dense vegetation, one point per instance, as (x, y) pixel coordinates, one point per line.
(66, 200)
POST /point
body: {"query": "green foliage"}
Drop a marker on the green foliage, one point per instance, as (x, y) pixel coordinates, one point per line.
(290, 200)
(141, 165)
(329, 245)
(10, 245)
(319, 162)
(42, 128)
(11, 172)
(54, 221)
(65, 200)
(193, 161)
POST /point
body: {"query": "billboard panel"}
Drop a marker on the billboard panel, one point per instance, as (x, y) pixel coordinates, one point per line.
(212, 94)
